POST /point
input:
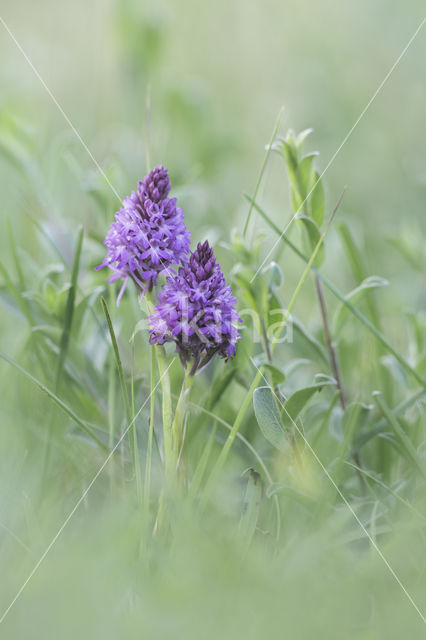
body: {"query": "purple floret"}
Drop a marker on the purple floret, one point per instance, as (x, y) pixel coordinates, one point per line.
(196, 310)
(148, 236)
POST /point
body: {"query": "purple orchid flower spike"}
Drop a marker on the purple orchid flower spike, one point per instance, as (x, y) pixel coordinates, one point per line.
(196, 310)
(148, 235)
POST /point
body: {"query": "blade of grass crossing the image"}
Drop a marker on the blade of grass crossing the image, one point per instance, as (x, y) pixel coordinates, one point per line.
(340, 296)
(80, 423)
(262, 170)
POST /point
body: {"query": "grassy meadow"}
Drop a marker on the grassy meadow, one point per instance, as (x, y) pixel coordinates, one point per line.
(292, 502)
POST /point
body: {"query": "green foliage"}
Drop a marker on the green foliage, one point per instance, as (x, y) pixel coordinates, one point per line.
(253, 511)
(269, 418)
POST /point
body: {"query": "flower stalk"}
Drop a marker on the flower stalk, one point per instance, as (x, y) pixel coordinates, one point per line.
(166, 399)
(180, 415)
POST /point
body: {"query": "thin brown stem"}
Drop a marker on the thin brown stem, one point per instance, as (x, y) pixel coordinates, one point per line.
(330, 346)
(335, 364)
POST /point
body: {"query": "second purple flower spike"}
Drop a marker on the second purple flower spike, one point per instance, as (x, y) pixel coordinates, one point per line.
(148, 235)
(196, 310)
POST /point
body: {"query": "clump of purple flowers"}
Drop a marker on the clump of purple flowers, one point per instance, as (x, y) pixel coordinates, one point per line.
(149, 234)
(196, 310)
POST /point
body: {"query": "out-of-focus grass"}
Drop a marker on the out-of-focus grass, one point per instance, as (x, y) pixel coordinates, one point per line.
(218, 76)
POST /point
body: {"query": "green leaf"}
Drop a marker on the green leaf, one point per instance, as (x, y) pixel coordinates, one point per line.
(274, 276)
(296, 402)
(291, 159)
(296, 200)
(355, 258)
(317, 199)
(341, 315)
(314, 235)
(277, 375)
(304, 172)
(352, 252)
(300, 139)
(268, 417)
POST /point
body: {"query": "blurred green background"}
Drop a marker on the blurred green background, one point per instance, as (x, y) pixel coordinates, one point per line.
(218, 74)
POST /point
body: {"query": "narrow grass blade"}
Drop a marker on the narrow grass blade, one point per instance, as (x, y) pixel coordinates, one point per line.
(117, 360)
(69, 310)
(202, 465)
(16, 294)
(56, 249)
(262, 170)
(56, 400)
(387, 488)
(404, 441)
(381, 425)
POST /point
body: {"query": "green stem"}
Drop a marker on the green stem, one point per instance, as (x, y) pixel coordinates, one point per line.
(179, 417)
(328, 341)
(167, 413)
(169, 461)
(147, 483)
(135, 447)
